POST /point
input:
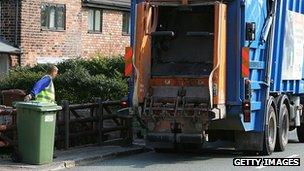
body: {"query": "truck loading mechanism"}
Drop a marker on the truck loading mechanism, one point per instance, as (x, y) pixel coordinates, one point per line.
(180, 84)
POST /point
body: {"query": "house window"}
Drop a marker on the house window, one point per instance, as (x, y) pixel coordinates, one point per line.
(126, 22)
(95, 20)
(53, 16)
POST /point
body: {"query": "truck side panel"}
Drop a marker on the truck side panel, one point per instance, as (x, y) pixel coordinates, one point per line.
(277, 83)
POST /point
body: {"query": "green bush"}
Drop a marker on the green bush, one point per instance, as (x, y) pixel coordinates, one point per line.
(78, 85)
(79, 80)
(96, 66)
(107, 66)
(20, 78)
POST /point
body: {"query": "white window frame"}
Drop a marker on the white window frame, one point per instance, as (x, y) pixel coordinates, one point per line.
(92, 19)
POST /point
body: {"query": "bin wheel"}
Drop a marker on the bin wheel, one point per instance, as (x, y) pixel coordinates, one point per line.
(16, 157)
(282, 133)
(270, 132)
(300, 133)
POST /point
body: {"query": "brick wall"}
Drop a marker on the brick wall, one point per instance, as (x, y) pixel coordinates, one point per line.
(75, 41)
(36, 42)
(7, 22)
(111, 41)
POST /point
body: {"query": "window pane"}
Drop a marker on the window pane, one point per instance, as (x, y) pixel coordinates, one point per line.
(44, 16)
(90, 19)
(52, 17)
(126, 23)
(97, 20)
(60, 17)
(129, 25)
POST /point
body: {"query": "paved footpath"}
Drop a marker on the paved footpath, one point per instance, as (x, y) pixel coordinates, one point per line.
(72, 157)
(215, 160)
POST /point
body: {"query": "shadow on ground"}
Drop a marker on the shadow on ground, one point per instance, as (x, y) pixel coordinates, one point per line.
(153, 158)
(220, 155)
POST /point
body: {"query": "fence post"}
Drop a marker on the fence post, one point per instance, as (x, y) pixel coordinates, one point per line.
(66, 116)
(128, 122)
(100, 120)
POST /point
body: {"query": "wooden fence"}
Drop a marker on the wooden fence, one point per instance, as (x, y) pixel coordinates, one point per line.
(7, 130)
(81, 124)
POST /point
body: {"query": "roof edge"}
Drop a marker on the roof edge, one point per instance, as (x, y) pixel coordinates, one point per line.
(106, 5)
(8, 48)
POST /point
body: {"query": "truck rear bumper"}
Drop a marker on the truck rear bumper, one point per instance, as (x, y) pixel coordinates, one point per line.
(168, 140)
(189, 138)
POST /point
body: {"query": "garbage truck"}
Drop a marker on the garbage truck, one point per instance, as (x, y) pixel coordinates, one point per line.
(204, 71)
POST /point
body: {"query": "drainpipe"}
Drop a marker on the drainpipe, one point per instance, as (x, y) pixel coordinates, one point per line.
(16, 28)
(0, 17)
(16, 21)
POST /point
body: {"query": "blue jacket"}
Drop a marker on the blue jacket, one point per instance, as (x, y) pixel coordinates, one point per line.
(40, 85)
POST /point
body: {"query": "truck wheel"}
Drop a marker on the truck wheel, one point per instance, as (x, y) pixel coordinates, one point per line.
(300, 132)
(270, 132)
(282, 133)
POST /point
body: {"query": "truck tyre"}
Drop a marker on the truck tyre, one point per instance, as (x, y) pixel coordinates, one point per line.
(300, 133)
(270, 132)
(283, 129)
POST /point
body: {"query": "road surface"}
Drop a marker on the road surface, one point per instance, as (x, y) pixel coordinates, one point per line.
(215, 160)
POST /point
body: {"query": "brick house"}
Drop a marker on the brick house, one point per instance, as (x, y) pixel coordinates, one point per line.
(53, 30)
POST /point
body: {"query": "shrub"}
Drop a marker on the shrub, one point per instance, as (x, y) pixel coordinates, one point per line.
(19, 79)
(95, 66)
(78, 85)
(79, 80)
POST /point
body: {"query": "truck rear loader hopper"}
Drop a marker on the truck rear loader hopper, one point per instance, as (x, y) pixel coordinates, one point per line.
(205, 70)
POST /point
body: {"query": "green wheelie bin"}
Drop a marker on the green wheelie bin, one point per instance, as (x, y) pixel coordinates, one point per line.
(36, 131)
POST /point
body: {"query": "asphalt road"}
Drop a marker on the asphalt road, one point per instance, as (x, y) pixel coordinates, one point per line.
(208, 159)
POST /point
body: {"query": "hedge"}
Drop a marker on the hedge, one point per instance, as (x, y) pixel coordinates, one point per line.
(79, 80)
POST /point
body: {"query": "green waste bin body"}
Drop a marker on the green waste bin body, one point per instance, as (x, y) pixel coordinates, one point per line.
(36, 131)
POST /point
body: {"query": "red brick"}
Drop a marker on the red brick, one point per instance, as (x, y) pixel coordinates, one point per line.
(75, 41)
